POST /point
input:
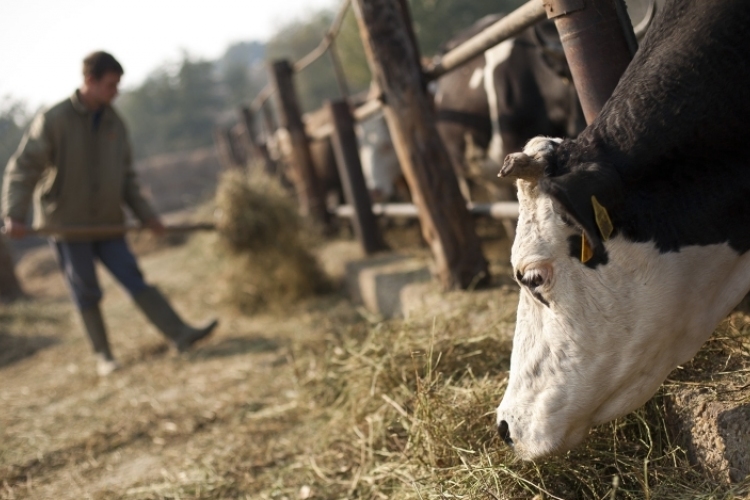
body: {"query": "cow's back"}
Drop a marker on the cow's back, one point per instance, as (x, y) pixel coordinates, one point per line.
(686, 95)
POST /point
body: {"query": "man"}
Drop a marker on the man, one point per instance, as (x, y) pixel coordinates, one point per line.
(75, 162)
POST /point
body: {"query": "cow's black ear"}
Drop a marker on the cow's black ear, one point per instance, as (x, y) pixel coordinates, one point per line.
(572, 193)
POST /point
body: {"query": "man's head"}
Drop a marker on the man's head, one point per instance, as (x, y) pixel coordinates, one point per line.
(101, 76)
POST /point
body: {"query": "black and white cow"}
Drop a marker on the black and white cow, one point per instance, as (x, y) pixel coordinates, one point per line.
(495, 103)
(632, 241)
(521, 88)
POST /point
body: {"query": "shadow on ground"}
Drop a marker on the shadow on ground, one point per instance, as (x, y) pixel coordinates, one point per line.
(233, 346)
(14, 348)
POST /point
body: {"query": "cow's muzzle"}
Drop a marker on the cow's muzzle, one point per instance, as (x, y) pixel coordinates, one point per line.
(504, 432)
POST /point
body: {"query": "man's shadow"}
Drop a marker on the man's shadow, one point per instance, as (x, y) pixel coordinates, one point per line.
(238, 345)
(14, 348)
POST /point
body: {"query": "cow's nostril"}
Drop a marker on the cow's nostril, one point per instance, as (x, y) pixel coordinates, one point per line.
(504, 432)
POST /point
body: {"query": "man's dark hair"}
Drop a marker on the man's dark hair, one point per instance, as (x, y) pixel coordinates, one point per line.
(98, 63)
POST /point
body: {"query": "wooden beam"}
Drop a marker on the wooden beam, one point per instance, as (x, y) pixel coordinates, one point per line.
(258, 149)
(446, 224)
(224, 148)
(307, 185)
(344, 141)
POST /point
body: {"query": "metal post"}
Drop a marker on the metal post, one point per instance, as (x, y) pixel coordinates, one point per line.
(344, 142)
(596, 46)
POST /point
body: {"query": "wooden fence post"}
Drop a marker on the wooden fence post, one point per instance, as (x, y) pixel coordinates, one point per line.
(306, 181)
(224, 147)
(345, 148)
(269, 125)
(447, 225)
(257, 149)
(240, 152)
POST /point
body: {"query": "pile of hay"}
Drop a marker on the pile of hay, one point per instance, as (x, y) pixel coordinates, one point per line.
(269, 262)
(406, 410)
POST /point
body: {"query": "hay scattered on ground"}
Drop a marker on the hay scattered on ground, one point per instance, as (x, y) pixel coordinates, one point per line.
(270, 263)
(407, 413)
(321, 403)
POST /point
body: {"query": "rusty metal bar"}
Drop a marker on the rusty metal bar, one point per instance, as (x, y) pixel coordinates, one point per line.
(509, 26)
(596, 46)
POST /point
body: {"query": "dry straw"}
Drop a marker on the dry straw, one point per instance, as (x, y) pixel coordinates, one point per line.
(409, 415)
(270, 263)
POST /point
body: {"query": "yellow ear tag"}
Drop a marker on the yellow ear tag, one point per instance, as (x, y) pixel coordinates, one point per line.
(586, 251)
(602, 219)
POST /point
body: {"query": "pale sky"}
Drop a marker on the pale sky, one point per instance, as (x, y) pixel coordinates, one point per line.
(42, 42)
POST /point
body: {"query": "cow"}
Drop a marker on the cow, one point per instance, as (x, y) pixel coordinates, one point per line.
(496, 102)
(380, 166)
(632, 239)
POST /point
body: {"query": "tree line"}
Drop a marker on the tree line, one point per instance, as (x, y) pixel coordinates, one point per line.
(178, 105)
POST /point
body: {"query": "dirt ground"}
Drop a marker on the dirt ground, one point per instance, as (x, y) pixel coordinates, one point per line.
(320, 401)
(69, 434)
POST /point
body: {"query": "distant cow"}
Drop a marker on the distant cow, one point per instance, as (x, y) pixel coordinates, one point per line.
(380, 166)
(633, 239)
(495, 103)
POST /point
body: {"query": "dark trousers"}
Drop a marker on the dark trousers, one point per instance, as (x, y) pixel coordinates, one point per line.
(77, 259)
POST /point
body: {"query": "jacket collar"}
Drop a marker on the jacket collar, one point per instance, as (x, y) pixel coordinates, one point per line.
(81, 108)
(78, 105)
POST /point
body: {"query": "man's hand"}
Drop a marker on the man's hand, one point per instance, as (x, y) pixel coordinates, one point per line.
(14, 229)
(156, 226)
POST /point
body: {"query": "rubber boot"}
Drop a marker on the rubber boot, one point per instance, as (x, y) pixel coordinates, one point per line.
(93, 323)
(158, 310)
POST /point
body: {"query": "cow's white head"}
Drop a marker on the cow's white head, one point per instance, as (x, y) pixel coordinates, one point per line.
(602, 320)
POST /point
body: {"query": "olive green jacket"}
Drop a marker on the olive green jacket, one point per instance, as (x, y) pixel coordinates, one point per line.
(77, 174)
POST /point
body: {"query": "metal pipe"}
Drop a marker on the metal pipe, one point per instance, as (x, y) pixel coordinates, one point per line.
(368, 109)
(595, 45)
(509, 26)
(497, 210)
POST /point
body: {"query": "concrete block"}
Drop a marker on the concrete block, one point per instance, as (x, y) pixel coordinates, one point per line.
(716, 434)
(376, 282)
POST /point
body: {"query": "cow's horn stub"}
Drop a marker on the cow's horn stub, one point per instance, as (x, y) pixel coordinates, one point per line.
(522, 166)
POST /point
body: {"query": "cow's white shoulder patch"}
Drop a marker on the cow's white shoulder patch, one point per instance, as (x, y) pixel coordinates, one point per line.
(477, 78)
(493, 58)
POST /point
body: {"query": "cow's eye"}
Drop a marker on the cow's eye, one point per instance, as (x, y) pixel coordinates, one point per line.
(535, 277)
